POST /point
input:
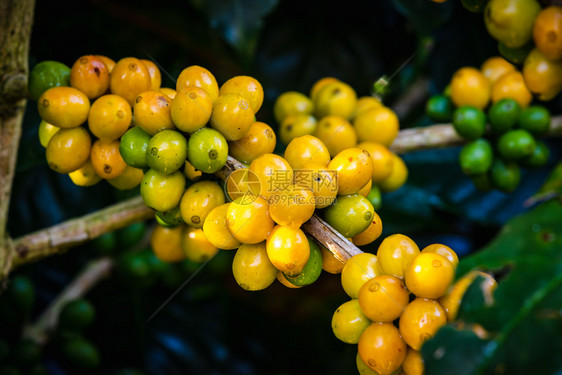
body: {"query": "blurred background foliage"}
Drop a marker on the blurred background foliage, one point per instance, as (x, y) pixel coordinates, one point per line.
(212, 326)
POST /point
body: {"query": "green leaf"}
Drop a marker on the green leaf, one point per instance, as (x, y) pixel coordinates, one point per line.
(552, 187)
(523, 323)
(239, 21)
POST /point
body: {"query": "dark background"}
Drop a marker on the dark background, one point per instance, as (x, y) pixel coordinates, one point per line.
(212, 326)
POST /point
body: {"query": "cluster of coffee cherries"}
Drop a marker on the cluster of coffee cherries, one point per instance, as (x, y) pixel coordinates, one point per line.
(334, 114)
(400, 297)
(502, 135)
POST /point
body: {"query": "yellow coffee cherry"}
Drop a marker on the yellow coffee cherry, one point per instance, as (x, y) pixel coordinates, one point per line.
(383, 298)
(377, 125)
(357, 271)
(46, 132)
(294, 126)
(470, 87)
(542, 76)
(195, 245)
(395, 254)
(420, 321)
(129, 179)
(336, 99)
(162, 192)
(248, 220)
(336, 133)
(288, 250)
(306, 149)
(110, 117)
(90, 75)
(274, 173)
(216, 230)
(381, 348)
(292, 206)
(291, 103)
(413, 363)
(397, 177)
(68, 149)
(232, 116)
(106, 159)
(429, 275)
(330, 263)
(154, 73)
(366, 103)
(63, 107)
(512, 86)
(373, 231)
(354, 168)
(496, 67)
(170, 93)
(251, 267)
(85, 175)
(198, 200)
(349, 322)
(191, 172)
(382, 160)
(247, 87)
(191, 109)
(259, 140)
(443, 250)
(152, 111)
(129, 78)
(166, 243)
(195, 75)
(319, 85)
(242, 183)
(365, 190)
(322, 181)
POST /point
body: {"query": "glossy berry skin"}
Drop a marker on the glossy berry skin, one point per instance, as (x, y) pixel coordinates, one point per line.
(248, 220)
(251, 267)
(216, 230)
(166, 243)
(106, 159)
(46, 132)
(381, 348)
(395, 254)
(259, 140)
(495, 67)
(420, 320)
(382, 160)
(247, 87)
(152, 111)
(469, 122)
(397, 177)
(350, 214)
(366, 103)
(516, 144)
(413, 363)
(336, 99)
(306, 149)
(292, 103)
(444, 251)
(542, 75)
(535, 119)
(273, 172)
(383, 298)
(110, 117)
(45, 75)
(511, 21)
(538, 158)
(470, 87)
(505, 175)
(198, 76)
(68, 149)
(336, 133)
(90, 75)
(476, 157)
(357, 271)
(319, 85)
(64, 107)
(198, 200)
(232, 116)
(512, 86)
(312, 269)
(298, 125)
(207, 150)
(373, 231)
(429, 275)
(349, 322)
(503, 115)
(377, 125)
(547, 32)
(354, 168)
(133, 146)
(129, 78)
(196, 246)
(154, 73)
(191, 109)
(129, 179)
(291, 206)
(85, 175)
(288, 249)
(166, 151)
(161, 192)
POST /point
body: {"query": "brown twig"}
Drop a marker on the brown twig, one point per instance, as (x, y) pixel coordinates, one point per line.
(415, 95)
(89, 277)
(73, 232)
(16, 18)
